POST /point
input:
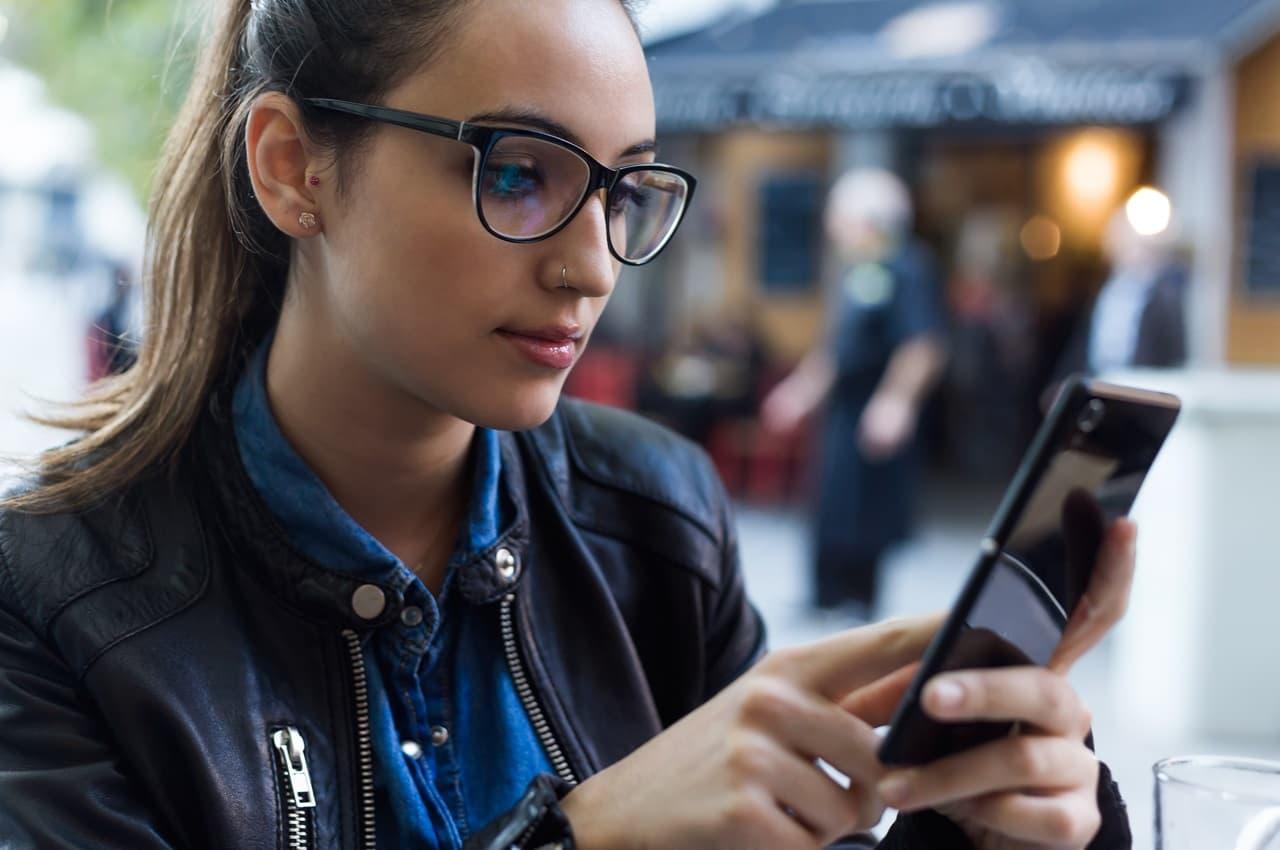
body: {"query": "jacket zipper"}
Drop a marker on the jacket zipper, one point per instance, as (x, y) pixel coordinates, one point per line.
(523, 687)
(363, 740)
(299, 798)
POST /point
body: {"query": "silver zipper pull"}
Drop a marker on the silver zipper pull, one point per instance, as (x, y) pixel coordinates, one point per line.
(290, 745)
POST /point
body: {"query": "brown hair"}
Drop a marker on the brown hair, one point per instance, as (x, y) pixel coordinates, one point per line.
(216, 266)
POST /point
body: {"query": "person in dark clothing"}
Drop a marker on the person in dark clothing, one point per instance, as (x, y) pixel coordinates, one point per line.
(882, 355)
(1138, 319)
(334, 566)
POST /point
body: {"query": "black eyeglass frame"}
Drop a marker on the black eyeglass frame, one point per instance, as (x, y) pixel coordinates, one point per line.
(483, 138)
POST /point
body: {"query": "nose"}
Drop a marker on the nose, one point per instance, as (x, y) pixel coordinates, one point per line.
(581, 252)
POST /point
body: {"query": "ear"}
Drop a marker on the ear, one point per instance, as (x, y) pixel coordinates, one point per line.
(280, 162)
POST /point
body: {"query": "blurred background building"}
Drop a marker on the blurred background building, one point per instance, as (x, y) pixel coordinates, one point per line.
(1097, 180)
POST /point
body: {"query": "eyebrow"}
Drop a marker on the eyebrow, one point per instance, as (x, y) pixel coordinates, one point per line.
(538, 121)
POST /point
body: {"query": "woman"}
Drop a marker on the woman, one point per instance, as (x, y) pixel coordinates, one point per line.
(330, 568)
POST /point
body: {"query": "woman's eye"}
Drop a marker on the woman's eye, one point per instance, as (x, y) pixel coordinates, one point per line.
(512, 179)
(625, 196)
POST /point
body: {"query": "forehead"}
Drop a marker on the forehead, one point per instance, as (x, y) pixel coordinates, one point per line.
(577, 62)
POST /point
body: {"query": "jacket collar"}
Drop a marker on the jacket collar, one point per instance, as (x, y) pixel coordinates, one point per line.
(318, 591)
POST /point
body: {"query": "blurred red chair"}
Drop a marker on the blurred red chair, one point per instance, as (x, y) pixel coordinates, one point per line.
(606, 376)
(758, 465)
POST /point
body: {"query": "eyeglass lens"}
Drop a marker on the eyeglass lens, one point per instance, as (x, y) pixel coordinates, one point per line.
(528, 187)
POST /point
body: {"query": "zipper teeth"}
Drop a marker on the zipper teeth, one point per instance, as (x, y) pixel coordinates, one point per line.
(297, 817)
(525, 690)
(363, 739)
(297, 828)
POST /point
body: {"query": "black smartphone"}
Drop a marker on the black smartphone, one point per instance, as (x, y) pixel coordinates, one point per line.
(1082, 470)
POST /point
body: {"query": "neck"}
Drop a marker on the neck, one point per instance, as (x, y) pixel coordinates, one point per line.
(397, 466)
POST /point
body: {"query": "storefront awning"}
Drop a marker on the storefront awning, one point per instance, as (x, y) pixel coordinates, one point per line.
(1019, 91)
(925, 63)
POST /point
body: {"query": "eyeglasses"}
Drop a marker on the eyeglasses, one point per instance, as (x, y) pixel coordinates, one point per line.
(529, 185)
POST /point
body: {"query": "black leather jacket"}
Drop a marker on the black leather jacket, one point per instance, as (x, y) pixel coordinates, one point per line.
(152, 649)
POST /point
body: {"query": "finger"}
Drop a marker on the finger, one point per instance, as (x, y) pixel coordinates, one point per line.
(1106, 598)
(844, 662)
(1034, 695)
(1065, 821)
(813, 728)
(876, 703)
(777, 828)
(1026, 763)
(820, 805)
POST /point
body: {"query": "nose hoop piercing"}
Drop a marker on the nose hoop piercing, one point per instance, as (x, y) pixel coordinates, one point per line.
(564, 284)
(307, 220)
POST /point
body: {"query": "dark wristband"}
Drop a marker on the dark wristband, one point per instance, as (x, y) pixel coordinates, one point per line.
(552, 830)
(534, 823)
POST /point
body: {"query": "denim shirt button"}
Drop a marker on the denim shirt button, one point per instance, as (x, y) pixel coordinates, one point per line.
(412, 749)
(368, 601)
(439, 736)
(411, 616)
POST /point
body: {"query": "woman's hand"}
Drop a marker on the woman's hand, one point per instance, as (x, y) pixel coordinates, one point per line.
(739, 772)
(1036, 790)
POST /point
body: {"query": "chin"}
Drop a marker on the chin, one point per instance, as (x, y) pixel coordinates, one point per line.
(518, 408)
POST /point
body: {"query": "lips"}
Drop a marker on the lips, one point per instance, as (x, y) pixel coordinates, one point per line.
(549, 347)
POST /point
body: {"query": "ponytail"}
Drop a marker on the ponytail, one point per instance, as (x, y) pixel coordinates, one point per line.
(206, 272)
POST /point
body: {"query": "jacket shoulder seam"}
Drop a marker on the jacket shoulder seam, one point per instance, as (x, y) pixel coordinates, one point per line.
(195, 597)
(9, 587)
(633, 489)
(138, 569)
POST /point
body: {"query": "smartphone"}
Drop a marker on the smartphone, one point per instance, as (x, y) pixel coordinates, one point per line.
(1082, 470)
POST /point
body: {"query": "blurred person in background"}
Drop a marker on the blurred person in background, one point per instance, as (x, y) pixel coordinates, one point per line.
(333, 565)
(991, 347)
(870, 376)
(112, 341)
(1138, 318)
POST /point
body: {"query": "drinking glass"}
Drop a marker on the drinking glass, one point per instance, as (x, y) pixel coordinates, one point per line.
(1217, 803)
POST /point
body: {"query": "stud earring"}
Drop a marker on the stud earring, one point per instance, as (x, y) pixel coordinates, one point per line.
(313, 180)
(307, 220)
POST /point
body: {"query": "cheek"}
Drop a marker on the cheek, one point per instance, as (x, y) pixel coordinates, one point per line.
(413, 244)
(417, 291)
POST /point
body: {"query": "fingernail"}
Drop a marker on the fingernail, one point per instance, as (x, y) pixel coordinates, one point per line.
(895, 789)
(946, 694)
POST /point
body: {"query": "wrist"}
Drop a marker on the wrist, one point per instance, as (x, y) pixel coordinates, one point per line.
(582, 810)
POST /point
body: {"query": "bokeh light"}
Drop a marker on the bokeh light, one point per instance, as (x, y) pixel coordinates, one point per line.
(1149, 211)
(1041, 238)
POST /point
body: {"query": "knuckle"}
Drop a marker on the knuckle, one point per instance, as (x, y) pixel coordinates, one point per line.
(1029, 761)
(1090, 824)
(1064, 826)
(869, 810)
(767, 701)
(1059, 825)
(1056, 695)
(744, 813)
(898, 633)
(779, 660)
(1086, 719)
(748, 757)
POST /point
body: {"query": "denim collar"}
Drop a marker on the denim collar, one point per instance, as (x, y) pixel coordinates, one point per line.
(317, 527)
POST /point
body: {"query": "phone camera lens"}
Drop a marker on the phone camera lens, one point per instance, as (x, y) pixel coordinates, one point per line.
(1091, 416)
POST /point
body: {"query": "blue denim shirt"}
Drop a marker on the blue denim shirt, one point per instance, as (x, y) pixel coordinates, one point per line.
(453, 747)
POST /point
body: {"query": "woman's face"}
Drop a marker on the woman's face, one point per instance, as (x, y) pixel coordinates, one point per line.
(427, 299)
